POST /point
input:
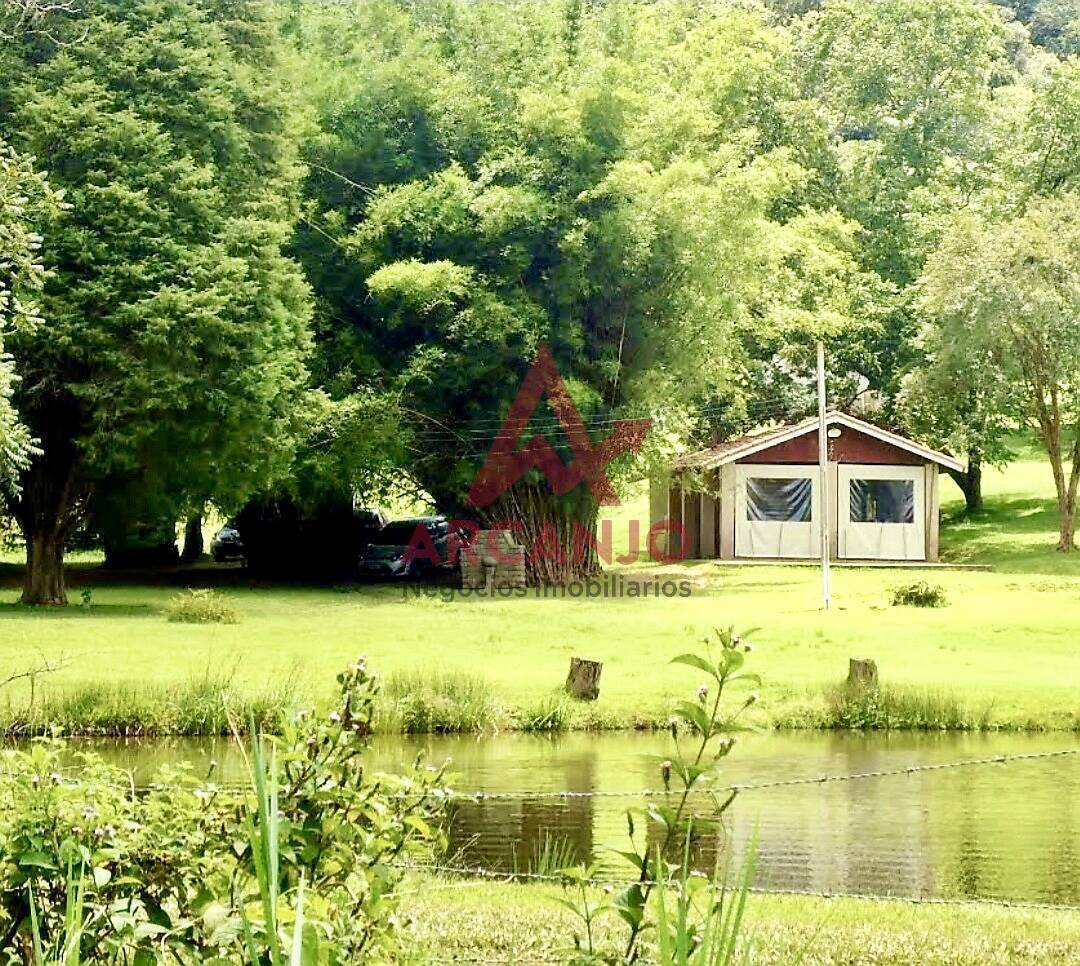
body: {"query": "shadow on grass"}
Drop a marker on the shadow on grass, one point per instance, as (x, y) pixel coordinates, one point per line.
(1012, 534)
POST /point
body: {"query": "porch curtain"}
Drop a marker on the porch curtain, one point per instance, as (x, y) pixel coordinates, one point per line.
(778, 500)
(882, 501)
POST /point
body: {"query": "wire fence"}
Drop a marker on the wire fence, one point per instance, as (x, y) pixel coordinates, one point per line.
(459, 876)
(462, 876)
(480, 873)
(481, 795)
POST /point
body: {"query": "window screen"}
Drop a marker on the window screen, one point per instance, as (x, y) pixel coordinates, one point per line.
(784, 500)
(882, 501)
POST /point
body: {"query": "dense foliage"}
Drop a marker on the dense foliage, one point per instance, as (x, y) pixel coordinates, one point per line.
(25, 198)
(625, 183)
(170, 367)
(310, 250)
(188, 871)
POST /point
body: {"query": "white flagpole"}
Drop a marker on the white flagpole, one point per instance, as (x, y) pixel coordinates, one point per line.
(823, 483)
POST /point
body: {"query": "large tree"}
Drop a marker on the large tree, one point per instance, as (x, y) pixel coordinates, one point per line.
(619, 181)
(1010, 292)
(954, 395)
(173, 355)
(906, 87)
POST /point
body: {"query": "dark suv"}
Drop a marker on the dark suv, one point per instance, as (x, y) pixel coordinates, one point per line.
(227, 544)
(384, 557)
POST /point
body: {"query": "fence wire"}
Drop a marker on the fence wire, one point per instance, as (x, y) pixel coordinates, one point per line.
(480, 795)
(479, 873)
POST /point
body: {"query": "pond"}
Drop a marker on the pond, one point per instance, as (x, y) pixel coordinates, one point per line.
(1003, 830)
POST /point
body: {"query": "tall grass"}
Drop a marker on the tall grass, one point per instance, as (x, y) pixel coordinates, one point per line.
(439, 702)
(199, 706)
(553, 712)
(911, 709)
(552, 855)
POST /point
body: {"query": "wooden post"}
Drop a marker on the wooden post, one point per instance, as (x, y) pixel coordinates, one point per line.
(862, 672)
(583, 681)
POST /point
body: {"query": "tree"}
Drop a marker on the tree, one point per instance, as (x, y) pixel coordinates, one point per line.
(603, 178)
(958, 398)
(954, 395)
(173, 356)
(25, 199)
(906, 87)
(1011, 292)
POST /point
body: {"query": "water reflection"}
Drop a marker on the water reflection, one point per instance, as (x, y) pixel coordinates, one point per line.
(1002, 830)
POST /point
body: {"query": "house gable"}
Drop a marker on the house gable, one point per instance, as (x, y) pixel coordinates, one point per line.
(851, 441)
(851, 446)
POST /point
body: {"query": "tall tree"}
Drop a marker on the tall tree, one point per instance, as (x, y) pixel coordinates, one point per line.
(953, 395)
(609, 179)
(1011, 291)
(906, 87)
(173, 354)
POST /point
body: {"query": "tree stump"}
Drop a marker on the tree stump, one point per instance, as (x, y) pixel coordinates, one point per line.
(862, 672)
(583, 681)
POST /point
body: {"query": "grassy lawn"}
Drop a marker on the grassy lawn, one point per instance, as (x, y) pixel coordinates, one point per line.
(525, 923)
(1005, 646)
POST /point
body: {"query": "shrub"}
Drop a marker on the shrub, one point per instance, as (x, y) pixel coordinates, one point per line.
(192, 873)
(201, 607)
(920, 593)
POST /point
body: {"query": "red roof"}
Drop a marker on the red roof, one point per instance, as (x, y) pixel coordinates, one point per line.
(732, 450)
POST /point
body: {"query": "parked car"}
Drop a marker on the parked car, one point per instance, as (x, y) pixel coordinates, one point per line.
(384, 557)
(227, 544)
(369, 521)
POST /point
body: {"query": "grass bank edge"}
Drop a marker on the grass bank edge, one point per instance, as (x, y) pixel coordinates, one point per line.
(457, 702)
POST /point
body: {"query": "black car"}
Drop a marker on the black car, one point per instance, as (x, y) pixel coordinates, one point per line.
(227, 544)
(384, 557)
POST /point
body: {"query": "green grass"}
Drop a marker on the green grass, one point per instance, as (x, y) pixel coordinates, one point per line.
(1004, 646)
(524, 923)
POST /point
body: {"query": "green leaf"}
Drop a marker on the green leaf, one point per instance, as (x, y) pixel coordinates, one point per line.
(695, 714)
(694, 660)
(37, 860)
(631, 906)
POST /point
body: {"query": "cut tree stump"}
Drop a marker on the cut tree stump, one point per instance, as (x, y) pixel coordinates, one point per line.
(583, 681)
(862, 672)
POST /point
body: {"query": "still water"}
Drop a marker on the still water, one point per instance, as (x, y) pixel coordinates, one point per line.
(1009, 831)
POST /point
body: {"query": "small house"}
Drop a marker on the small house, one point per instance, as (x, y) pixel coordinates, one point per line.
(760, 496)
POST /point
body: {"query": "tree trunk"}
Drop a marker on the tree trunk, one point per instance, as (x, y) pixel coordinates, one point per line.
(559, 535)
(583, 681)
(44, 582)
(1067, 501)
(48, 507)
(193, 540)
(970, 483)
(1066, 487)
(1067, 540)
